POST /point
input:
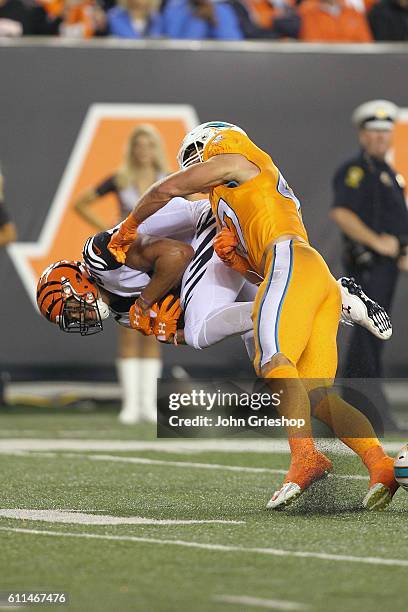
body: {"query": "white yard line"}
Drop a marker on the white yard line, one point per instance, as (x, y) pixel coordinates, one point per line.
(170, 446)
(256, 602)
(267, 446)
(82, 518)
(275, 552)
(164, 462)
(179, 464)
(205, 466)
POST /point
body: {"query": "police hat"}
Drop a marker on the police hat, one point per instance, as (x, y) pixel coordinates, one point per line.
(375, 115)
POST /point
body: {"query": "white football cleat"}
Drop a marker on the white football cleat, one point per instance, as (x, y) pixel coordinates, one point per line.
(378, 497)
(312, 468)
(358, 308)
(383, 485)
(289, 492)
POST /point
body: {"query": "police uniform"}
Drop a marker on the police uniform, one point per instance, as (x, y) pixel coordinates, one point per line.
(375, 193)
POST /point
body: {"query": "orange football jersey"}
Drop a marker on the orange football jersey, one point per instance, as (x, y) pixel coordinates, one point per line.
(261, 209)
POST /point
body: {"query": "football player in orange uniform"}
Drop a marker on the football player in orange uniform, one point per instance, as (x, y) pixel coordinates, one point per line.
(297, 307)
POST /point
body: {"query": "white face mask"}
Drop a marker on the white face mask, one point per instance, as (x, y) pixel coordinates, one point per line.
(103, 309)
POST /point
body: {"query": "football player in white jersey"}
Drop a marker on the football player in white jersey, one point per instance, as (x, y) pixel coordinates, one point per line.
(207, 285)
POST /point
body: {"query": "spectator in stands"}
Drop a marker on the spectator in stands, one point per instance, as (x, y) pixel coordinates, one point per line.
(14, 18)
(135, 19)
(8, 234)
(82, 19)
(332, 21)
(46, 17)
(139, 362)
(201, 20)
(389, 20)
(260, 19)
(68, 18)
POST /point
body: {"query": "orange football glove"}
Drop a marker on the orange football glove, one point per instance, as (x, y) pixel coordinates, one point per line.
(141, 320)
(122, 239)
(225, 245)
(167, 316)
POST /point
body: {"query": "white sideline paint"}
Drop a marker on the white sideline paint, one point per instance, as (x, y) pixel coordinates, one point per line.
(169, 446)
(179, 464)
(256, 602)
(206, 466)
(275, 552)
(81, 518)
(267, 446)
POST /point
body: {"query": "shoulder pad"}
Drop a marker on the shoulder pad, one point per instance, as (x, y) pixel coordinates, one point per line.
(227, 141)
(97, 255)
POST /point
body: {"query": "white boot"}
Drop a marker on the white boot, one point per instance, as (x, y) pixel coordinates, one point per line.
(129, 374)
(150, 372)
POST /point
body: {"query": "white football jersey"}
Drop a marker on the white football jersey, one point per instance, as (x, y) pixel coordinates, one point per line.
(180, 220)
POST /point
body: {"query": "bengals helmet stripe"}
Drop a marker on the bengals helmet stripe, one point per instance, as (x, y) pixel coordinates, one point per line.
(44, 285)
(56, 302)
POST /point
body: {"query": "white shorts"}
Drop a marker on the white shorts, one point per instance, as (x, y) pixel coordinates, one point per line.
(207, 283)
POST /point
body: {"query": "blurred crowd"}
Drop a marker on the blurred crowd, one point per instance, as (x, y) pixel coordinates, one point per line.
(305, 20)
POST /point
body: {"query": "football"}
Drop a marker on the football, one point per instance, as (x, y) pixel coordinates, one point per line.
(401, 467)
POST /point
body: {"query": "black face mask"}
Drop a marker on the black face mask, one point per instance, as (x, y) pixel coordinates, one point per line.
(73, 319)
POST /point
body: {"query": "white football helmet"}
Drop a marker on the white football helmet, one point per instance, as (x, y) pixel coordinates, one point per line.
(401, 467)
(192, 147)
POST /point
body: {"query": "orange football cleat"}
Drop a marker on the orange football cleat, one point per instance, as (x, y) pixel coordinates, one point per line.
(383, 485)
(302, 473)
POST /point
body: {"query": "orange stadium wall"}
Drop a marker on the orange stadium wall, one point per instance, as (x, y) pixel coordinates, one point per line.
(294, 104)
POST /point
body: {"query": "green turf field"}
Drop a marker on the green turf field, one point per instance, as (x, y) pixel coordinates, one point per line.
(327, 554)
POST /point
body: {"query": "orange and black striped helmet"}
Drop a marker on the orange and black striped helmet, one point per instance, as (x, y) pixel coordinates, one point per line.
(67, 296)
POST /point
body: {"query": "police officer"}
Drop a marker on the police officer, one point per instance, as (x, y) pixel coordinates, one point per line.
(7, 235)
(370, 209)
